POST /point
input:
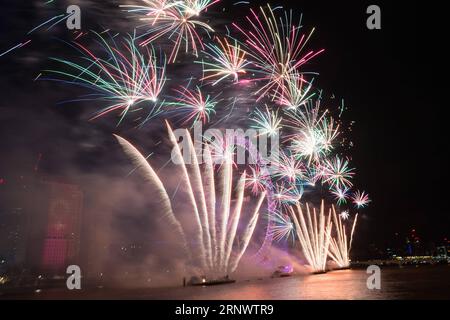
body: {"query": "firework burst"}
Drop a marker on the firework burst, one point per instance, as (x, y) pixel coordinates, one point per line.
(288, 168)
(313, 133)
(257, 181)
(176, 21)
(195, 7)
(227, 60)
(341, 194)
(282, 226)
(267, 122)
(338, 173)
(127, 78)
(287, 195)
(360, 199)
(276, 46)
(195, 103)
(344, 215)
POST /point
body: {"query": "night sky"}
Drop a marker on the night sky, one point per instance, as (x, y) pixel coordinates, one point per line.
(399, 146)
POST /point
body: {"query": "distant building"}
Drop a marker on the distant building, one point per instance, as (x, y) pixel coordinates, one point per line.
(13, 237)
(61, 241)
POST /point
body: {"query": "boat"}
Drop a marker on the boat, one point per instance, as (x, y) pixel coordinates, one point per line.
(283, 271)
(203, 281)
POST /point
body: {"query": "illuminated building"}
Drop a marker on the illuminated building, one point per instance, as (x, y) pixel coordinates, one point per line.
(61, 243)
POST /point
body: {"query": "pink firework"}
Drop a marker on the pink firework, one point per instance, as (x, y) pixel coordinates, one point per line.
(277, 47)
(360, 199)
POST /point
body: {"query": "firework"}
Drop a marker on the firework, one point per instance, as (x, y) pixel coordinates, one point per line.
(340, 246)
(338, 173)
(227, 60)
(313, 133)
(287, 195)
(258, 180)
(344, 215)
(153, 8)
(282, 228)
(314, 236)
(341, 194)
(288, 168)
(175, 20)
(195, 7)
(276, 46)
(127, 79)
(295, 93)
(267, 122)
(272, 56)
(216, 231)
(145, 170)
(360, 199)
(198, 106)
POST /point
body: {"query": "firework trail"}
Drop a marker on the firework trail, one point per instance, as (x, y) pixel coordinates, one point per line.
(216, 247)
(126, 79)
(192, 199)
(150, 176)
(200, 198)
(340, 246)
(276, 47)
(248, 233)
(314, 236)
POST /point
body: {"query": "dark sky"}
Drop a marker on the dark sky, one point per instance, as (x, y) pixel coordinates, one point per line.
(399, 141)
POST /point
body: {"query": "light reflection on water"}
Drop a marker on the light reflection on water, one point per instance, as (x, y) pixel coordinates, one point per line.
(406, 283)
(425, 282)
